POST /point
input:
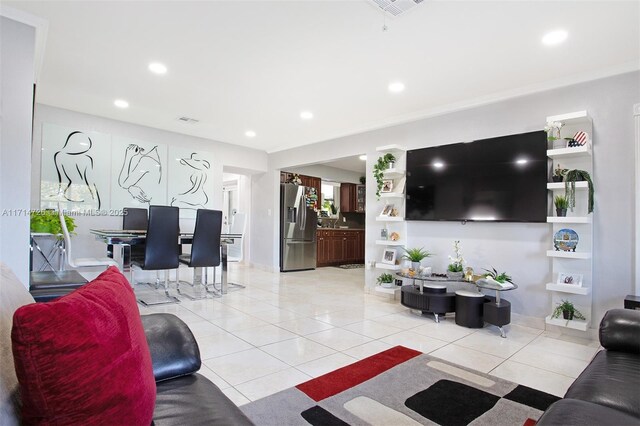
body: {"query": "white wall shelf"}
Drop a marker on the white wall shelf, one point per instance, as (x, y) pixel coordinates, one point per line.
(569, 254)
(391, 195)
(567, 288)
(387, 266)
(393, 148)
(579, 151)
(389, 243)
(389, 219)
(561, 322)
(554, 186)
(567, 262)
(569, 219)
(393, 173)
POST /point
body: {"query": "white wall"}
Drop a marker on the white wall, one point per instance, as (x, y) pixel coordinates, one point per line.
(225, 156)
(517, 248)
(17, 44)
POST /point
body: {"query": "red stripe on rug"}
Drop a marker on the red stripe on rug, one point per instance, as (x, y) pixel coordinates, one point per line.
(530, 422)
(347, 377)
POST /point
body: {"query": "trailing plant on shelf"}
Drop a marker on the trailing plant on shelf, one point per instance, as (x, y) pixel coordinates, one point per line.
(457, 262)
(385, 278)
(559, 173)
(561, 204)
(567, 310)
(378, 170)
(501, 277)
(47, 221)
(570, 180)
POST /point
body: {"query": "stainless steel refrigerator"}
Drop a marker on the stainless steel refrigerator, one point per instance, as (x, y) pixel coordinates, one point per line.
(298, 224)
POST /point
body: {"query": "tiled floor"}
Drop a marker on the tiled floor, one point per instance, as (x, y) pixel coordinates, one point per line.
(284, 329)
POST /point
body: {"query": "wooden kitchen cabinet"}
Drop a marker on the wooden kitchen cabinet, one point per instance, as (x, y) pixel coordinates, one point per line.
(340, 246)
(352, 198)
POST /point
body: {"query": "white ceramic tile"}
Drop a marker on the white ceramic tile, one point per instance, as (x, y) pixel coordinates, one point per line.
(203, 328)
(540, 358)
(223, 343)
(275, 315)
(239, 322)
(543, 380)
(368, 349)
(493, 344)
(264, 335)
(338, 338)
(446, 330)
(273, 383)
(297, 351)
(326, 364)
(372, 329)
(414, 341)
(564, 348)
(404, 320)
(217, 380)
(243, 366)
(235, 396)
(304, 326)
(467, 358)
(341, 318)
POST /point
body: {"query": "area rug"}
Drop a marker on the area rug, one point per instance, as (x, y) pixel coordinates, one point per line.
(401, 387)
(352, 266)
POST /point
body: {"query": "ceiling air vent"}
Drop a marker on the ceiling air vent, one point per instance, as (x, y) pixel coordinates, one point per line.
(396, 7)
(188, 120)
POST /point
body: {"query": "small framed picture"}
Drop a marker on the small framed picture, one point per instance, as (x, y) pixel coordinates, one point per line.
(387, 210)
(387, 185)
(570, 279)
(389, 256)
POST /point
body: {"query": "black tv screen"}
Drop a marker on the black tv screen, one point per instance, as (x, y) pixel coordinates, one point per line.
(499, 179)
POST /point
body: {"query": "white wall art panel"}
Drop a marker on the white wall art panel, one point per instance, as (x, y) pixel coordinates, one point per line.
(75, 168)
(138, 173)
(190, 180)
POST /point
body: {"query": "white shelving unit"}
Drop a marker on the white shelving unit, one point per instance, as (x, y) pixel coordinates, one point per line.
(580, 261)
(392, 223)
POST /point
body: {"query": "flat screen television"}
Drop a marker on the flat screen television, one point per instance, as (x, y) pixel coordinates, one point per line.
(500, 179)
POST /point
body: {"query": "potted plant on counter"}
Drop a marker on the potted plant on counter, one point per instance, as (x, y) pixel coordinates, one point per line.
(385, 162)
(454, 269)
(385, 280)
(561, 205)
(415, 255)
(567, 310)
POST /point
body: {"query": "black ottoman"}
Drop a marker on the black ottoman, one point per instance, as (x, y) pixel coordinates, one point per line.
(469, 306)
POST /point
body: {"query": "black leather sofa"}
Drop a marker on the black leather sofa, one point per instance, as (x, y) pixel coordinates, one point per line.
(608, 390)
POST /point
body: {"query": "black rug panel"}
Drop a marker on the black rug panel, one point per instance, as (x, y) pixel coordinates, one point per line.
(531, 397)
(451, 403)
(318, 416)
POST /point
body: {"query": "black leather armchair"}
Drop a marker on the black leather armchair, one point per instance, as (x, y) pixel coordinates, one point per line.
(608, 390)
(183, 396)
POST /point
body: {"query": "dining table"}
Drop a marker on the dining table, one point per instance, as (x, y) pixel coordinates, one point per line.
(124, 239)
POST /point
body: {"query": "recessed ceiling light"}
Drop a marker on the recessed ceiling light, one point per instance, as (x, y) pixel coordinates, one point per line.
(157, 68)
(438, 164)
(363, 157)
(554, 37)
(250, 134)
(521, 161)
(396, 87)
(306, 115)
(121, 103)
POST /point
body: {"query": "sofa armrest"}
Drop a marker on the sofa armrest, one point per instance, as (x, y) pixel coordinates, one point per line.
(620, 330)
(174, 350)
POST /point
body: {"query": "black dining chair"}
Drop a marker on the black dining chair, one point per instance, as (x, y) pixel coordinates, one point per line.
(135, 219)
(205, 253)
(161, 251)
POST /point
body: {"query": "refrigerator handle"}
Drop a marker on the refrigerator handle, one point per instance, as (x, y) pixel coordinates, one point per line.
(303, 208)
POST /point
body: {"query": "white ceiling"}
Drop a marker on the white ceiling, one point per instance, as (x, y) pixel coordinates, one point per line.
(352, 164)
(239, 65)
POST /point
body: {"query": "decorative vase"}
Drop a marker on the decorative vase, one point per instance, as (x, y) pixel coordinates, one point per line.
(557, 178)
(415, 266)
(392, 165)
(561, 212)
(455, 276)
(568, 315)
(559, 143)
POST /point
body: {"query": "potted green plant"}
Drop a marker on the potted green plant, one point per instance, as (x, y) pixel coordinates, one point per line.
(570, 180)
(454, 269)
(499, 278)
(363, 180)
(381, 165)
(47, 221)
(385, 280)
(553, 134)
(415, 255)
(559, 173)
(561, 205)
(567, 310)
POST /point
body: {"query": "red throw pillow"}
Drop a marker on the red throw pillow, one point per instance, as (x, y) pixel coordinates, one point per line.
(84, 359)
